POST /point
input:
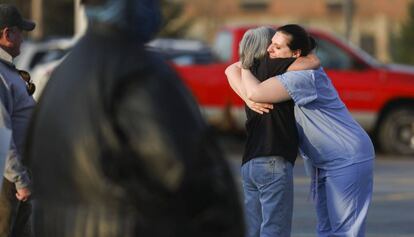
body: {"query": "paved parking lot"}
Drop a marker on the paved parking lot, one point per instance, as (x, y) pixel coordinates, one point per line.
(392, 210)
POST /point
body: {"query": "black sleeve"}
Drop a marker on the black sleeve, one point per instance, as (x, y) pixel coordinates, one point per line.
(277, 66)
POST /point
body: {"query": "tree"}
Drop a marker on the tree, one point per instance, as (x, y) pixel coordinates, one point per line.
(404, 50)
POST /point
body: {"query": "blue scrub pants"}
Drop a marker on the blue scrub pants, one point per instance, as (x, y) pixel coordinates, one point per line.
(342, 200)
(268, 196)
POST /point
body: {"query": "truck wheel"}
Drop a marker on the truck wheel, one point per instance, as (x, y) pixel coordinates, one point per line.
(396, 132)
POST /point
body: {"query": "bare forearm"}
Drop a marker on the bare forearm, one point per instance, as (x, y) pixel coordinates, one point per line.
(250, 84)
(233, 74)
(311, 61)
(269, 91)
(239, 90)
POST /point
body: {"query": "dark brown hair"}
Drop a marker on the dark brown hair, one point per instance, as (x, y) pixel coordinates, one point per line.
(300, 39)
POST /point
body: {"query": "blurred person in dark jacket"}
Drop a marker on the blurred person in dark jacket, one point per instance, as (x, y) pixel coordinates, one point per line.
(118, 146)
(15, 111)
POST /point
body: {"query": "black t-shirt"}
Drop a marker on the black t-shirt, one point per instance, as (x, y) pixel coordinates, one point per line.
(274, 133)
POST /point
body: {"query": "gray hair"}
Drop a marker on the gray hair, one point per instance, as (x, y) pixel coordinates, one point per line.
(254, 45)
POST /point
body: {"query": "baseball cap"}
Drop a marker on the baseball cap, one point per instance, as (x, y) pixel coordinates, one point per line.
(10, 16)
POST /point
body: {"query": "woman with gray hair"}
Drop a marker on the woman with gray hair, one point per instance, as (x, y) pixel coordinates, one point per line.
(272, 140)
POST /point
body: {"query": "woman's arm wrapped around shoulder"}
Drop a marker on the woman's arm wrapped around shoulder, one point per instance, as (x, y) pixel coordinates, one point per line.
(233, 73)
(311, 61)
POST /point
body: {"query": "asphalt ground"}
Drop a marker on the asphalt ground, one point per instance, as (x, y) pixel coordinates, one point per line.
(391, 212)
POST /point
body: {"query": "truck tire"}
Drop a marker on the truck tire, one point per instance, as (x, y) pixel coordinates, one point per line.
(396, 132)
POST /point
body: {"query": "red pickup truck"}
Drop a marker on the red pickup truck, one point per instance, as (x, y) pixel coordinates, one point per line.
(379, 96)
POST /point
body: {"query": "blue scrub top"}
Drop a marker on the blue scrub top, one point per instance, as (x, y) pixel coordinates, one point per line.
(328, 135)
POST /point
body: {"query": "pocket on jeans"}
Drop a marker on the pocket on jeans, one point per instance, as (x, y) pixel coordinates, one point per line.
(267, 170)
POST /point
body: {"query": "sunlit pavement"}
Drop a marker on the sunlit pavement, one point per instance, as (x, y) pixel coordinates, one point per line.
(392, 209)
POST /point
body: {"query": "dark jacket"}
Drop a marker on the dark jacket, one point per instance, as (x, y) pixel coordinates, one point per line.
(118, 148)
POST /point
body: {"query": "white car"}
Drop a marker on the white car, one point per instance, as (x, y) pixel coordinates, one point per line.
(41, 74)
(35, 53)
(40, 59)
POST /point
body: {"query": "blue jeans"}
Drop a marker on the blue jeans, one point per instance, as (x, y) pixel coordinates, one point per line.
(268, 196)
(343, 198)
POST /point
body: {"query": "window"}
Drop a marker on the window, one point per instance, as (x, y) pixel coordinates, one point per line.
(223, 46)
(333, 57)
(367, 43)
(334, 6)
(254, 4)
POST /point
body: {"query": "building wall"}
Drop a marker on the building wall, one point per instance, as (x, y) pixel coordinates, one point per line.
(373, 22)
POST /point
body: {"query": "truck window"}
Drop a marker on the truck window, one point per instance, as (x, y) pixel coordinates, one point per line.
(223, 46)
(333, 57)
